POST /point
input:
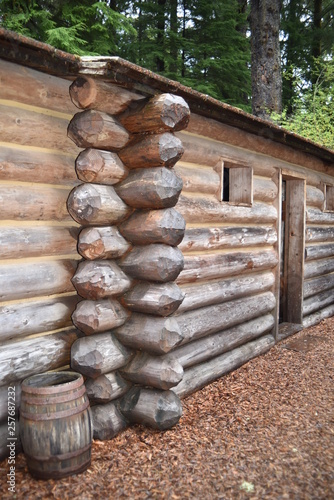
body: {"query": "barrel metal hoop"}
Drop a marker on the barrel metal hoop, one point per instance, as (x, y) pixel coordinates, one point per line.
(53, 416)
(70, 396)
(54, 389)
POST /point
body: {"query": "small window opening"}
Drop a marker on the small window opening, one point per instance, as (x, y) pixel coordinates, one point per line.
(226, 185)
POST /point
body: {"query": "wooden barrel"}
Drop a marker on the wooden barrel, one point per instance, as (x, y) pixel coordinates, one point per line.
(55, 424)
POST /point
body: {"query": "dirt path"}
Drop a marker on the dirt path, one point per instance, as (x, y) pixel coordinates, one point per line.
(265, 431)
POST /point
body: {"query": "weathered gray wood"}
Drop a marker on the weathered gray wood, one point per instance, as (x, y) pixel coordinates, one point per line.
(318, 267)
(89, 93)
(108, 421)
(319, 234)
(317, 285)
(152, 298)
(207, 320)
(314, 197)
(92, 204)
(208, 347)
(215, 238)
(4, 399)
(27, 318)
(99, 166)
(102, 243)
(315, 318)
(98, 279)
(152, 407)
(215, 292)
(150, 188)
(313, 252)
(264, 190)
(106, 387)
(162, 150)
(212, 266)
(317, 302)
(161, 372)
(202, 374)
(19, 360)
(33, 279)
(97, 130)
(317, 216)
(154, 226)
(150, 333)
(155, 262)
(162, 112)
(93, 316)
(98, 354)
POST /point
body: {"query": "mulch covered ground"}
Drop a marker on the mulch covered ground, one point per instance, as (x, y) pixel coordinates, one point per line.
(264, 431)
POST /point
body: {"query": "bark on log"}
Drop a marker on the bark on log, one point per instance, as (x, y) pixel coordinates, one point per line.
(317, 216)
(150, 298)
(99, 166)
(215, 238)
(314, 197)
(200, 375)
(150, 188)
(19, 360)
(215, 292)
(108, 421)
(160, 372)
(157, 409)
(102, 243)
(91, 204)
(93, 316)
(315, 318)
(205, 267)
(4, 400)
(162, 150)
(156, 262)
(89, 93)
(154, 226)
(97, 130)
(161, 113)
(317, 285)
(150, 333)
(319, 234)
(208, 209)
(207, 320)
(209, 347)
(23, 319)
(106, 387)
(317, 302)
(99, 279)
(319, 251)
(98, 354)
(318, 267)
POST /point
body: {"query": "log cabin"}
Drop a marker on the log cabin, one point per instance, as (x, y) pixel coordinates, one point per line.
(152, 238)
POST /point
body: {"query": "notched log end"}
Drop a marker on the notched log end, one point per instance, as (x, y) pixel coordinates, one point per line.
(83, 92)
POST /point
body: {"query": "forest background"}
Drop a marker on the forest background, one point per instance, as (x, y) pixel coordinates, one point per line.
(270, 57)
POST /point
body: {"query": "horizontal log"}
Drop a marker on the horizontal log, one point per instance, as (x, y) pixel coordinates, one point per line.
(198, 179)
(154, 226)
(162, 150)
(215, 238)
(213, 266)
(16, 446)
(211, 319)
(93, 316)
(160, 372)
(33, 279)
(16, 388)
(19, 360)
(150, 333)
(106, 387)
(155, 262)
(33, 203)
(92, 204)
(209, 347)
(319, 251)
(264, 190)
(200, 209)
(152, 407)
(162, 112)
(99, 166)
(108, 421)
(36, 241)
(317, 285)
(102, 243)
(98, 354)
(317, 216)
(22, 319)
(19, 163)
(99, 279)
(314, 197)
(215, 292)
(198, 376)
(32, 128)
(150, 188)
(318, 267)
(89, 93)
(40, 89)
(97, 130)
(317, 302)
(152, 298)
(319, 234)
(315, 318)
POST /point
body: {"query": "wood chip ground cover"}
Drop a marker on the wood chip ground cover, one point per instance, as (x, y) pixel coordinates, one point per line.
(265, 431)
